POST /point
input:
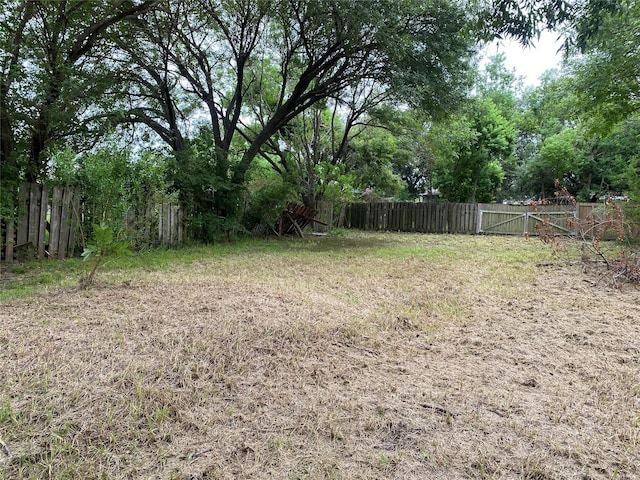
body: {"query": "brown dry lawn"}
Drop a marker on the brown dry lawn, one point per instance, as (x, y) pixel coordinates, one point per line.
(353, 357)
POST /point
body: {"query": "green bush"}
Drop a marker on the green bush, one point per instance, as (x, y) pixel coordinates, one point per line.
(194, 178)
(118, 189)
(104, 245)
(267, 200)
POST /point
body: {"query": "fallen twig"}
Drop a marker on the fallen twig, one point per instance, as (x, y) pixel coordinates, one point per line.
(5, 448)
(195, 456)
(439, 410)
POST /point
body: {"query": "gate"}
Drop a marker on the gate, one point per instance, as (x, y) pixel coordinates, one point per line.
(522, 220)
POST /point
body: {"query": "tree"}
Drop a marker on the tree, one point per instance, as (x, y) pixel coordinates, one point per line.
(412, 157)
(568, 119)
(51, 75)
(245, 70)
(12, 31)
(316, 50)
(348, 143)
(551, 107)
(523, 20)
(415, 159)
(469, 160)
(305, 153)
(616, 164)
(547, 111)
(474, 151)
(147, 92)
(500, 85)
(316, 148)
(504, 89)
(558, 160)
(373, 162)
(608, 76)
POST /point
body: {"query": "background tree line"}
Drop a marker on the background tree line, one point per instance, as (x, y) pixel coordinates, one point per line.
(236, 106)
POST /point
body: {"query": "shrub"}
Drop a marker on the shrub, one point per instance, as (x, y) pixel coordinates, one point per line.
(594, 235)
(119, 190)
(266, 201)
(104, 245)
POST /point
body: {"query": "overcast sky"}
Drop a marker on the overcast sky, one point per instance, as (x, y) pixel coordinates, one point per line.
(530, 63)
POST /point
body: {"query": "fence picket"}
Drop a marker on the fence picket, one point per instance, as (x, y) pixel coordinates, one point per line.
(414, 212)
(54, 232)
(9, 234)
(65, 223)
(43, 199)
(75, 222)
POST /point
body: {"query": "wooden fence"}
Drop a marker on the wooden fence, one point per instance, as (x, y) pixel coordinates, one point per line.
(48, 224)
(170, 224)
(427, 217)
(48, 221)
(325, 215)
(469, 218)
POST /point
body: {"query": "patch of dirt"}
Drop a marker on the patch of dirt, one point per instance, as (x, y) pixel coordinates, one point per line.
(216, 371)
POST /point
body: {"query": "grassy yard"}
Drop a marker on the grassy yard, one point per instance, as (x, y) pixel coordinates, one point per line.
(357, 356)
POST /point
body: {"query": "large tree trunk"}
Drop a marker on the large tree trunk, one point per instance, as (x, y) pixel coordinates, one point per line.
(309, 200)
(7, 143)
(9, 171)
(226, 198)
(39, 139)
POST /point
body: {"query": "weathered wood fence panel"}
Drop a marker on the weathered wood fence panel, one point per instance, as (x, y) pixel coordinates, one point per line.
(522, 220)
(464, 218)
(428, 217)
(47, 224)
(170, 224)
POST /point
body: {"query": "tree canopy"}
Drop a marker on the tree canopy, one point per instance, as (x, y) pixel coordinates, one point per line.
(331, 95)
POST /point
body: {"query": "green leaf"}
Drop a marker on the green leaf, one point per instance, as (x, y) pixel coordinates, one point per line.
(89, 251)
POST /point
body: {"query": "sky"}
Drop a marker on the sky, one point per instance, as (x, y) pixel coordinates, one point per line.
(530, 62)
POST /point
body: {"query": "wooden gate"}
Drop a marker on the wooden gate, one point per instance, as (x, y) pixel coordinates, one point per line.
(522, 220)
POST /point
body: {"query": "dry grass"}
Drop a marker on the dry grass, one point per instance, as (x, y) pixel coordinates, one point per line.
(358, 357)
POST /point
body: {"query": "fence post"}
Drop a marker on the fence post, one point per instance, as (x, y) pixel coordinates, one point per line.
(180, 226)
(42, 224)
(367, 217)
(54, 227)
(160, 223)
(174, 224)
(75, 221)
(65, 223)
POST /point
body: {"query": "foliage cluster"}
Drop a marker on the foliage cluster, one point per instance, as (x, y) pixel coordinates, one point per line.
(334, 98)
(606, 235)
(103, 246)
(119, 190)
